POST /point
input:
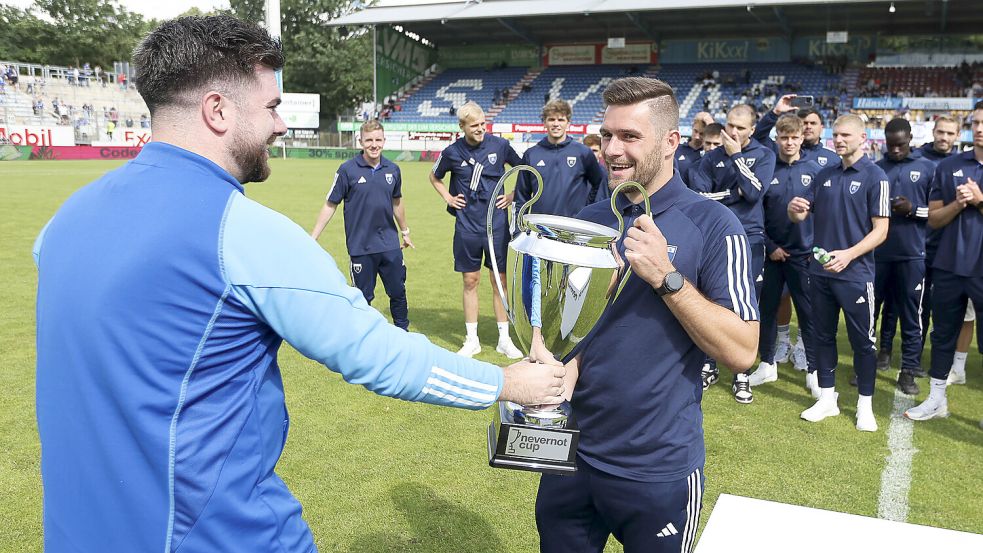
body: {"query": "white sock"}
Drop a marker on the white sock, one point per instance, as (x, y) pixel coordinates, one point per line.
(783, 333)
(503, 330)
(827, 394)
(959, 361)
(741, 377)
(937, 389)
(472, 329)
(864, 403)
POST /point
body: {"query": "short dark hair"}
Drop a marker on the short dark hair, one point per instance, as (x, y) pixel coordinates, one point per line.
(898, 124)
(806, 112)
(188, 53)
(978, 106)
(657, 94)
(713, 129)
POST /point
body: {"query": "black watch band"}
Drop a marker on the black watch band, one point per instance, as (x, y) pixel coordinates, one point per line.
(672, 283)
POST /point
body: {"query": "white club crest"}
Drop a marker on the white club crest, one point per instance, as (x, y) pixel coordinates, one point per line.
(822, 160)
(806, 180)
(749, 162)
(571, 161)
(357, 268)
(915, 175)
(492, 158)
(854, 186)
(671, 250)
(389, 178)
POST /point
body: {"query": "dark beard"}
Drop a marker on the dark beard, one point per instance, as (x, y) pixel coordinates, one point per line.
(251, 160)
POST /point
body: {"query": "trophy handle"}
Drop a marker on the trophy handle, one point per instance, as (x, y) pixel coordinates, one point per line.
(621, 222)
(519, 223)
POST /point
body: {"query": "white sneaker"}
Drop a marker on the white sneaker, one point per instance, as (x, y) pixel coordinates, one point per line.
(824, 407)
(470, 348)
(766, 372)
(929, 409)
(507, 348)
(782, 351)
(956, 376)
(799, 360)
(865, 420)
(812, 383)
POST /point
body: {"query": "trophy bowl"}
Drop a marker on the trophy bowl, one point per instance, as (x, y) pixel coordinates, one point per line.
(561, 273)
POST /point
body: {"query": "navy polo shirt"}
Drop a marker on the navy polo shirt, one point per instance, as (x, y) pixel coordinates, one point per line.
(843, 202)
(790, 180)
(686, 157)
(475, 170)
(637, 400)
(929, 152)
(571, 176)
(961, 244)
(368, 194)
(912, 178)
(738, 181)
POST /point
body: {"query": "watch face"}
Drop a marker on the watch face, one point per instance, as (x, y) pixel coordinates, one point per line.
(674, 281)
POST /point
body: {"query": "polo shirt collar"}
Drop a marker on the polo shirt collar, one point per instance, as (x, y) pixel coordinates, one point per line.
(663, 199)
(169, 156)
(969, 156)
(860, 165)
(545, 143)
(360, 161)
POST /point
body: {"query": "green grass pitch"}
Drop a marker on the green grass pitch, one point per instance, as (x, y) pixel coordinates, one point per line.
(379, 475)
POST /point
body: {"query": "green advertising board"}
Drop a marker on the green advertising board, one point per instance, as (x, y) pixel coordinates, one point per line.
(399, 59)
(513, 55)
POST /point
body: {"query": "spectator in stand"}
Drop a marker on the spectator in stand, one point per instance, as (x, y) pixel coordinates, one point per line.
(121, 79)
(110, 127)
(129, 122)
(144, 121)
(13, 77)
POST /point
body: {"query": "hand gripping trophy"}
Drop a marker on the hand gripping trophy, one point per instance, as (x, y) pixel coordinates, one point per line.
(561, 273)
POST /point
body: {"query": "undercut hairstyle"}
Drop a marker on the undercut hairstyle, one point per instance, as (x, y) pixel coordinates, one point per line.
(789, 124)
(806, 112)
(946, 118)
(978, 106)
(592, 140)
(896, 125)
(189, 53)
(657, 94)
(852, 120)
(713, 129)
(370, 126)
(558, 107)
(746, 110)
(469, 112)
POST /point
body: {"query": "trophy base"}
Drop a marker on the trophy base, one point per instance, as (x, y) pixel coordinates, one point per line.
(514, 444)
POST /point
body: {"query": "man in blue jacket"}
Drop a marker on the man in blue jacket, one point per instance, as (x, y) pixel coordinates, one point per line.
(163, 297)
(738, 175)
(899, 270)
(572, 177)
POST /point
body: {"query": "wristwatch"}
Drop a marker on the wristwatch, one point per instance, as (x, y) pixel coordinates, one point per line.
(672, 283)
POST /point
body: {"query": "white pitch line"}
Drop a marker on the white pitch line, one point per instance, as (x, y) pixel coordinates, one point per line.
(896, 478)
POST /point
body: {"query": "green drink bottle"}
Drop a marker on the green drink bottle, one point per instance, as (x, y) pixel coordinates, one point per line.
(821, 255)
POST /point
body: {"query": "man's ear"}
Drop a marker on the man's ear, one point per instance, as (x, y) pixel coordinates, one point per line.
(217, 111)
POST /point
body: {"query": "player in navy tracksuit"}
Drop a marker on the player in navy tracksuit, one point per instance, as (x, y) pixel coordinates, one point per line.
(689, 153)
(789, 249)
(641, 451)
(371, 187)
(956, 206)
(850, 203)
(812, 131)
(738, 175)
(572, 177)
(900, 261)
(945, 134)
(476, 163)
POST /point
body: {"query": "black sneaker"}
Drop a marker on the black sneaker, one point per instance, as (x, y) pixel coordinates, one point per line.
(742, 391)
(919, 373)
(883, 360)
(907, 384)
(710, 374)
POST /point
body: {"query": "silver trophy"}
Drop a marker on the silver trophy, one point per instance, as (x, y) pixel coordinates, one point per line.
(561, 273)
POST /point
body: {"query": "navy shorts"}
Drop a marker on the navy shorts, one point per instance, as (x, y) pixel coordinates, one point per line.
(470, 249)
(577, 513)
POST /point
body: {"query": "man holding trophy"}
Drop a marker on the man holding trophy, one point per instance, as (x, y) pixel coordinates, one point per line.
(684, 291)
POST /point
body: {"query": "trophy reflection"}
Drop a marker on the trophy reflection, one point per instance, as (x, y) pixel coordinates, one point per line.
(561, 273)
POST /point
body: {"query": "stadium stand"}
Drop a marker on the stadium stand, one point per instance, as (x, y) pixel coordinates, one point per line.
(453, 88)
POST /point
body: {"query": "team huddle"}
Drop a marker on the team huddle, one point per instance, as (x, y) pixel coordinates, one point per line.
(827, 231)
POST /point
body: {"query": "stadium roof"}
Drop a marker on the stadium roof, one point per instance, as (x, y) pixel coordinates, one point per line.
(540, 22)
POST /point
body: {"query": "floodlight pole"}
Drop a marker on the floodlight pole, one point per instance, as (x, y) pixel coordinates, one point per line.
(272, 9)
(375, 76)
